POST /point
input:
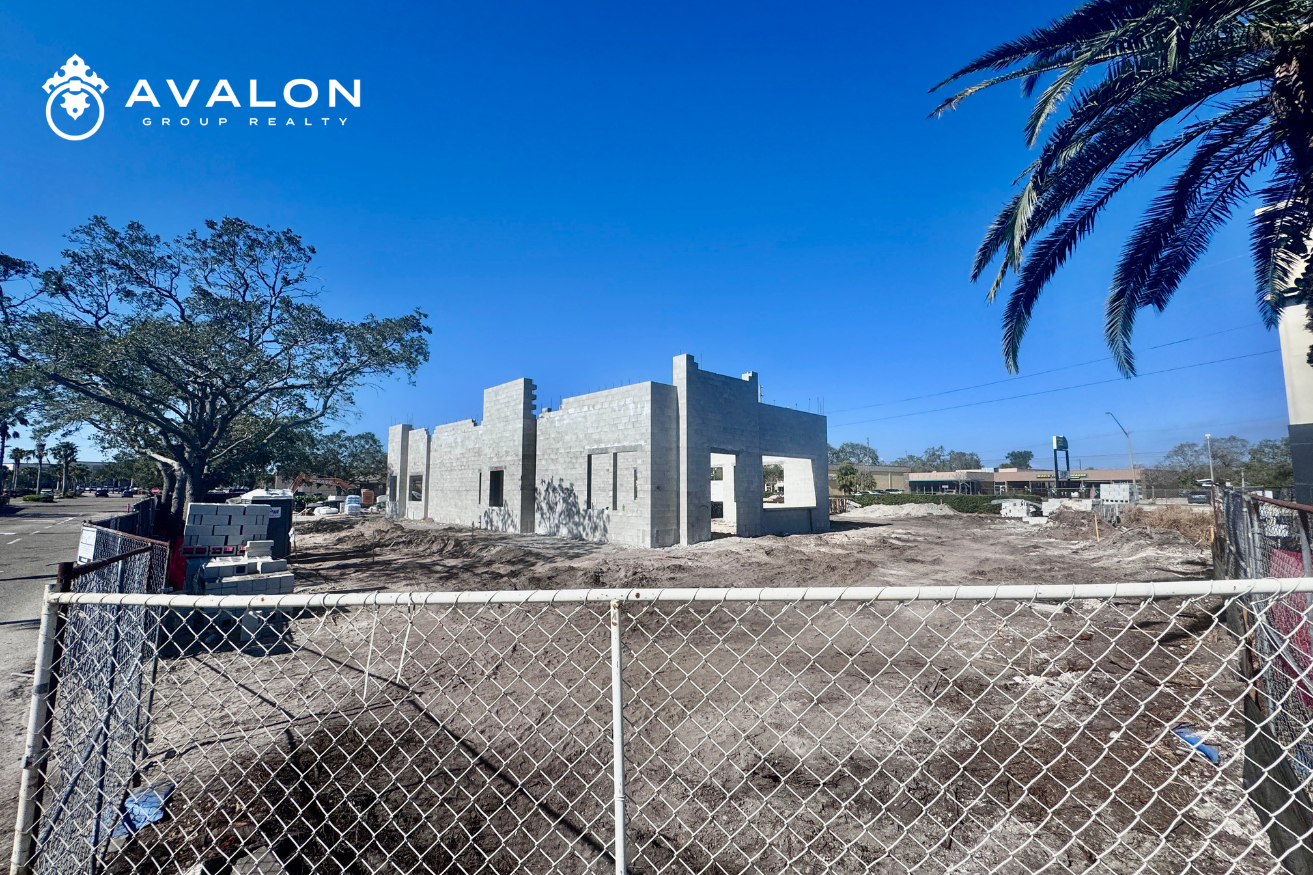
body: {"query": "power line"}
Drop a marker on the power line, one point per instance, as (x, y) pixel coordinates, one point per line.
(1061, 389)
(1036, 374)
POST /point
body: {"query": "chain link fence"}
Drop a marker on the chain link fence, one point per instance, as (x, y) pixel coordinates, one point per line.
(1100, 728)
(88, 718)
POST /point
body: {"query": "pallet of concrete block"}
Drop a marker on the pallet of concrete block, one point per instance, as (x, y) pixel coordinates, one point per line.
(256, 573)
(223, 529)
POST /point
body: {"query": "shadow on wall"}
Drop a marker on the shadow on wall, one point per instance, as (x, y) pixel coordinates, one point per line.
(497, 519)
(559, 513)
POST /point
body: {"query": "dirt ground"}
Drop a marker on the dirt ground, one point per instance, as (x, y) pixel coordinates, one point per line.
(893, 546)
(760, 737)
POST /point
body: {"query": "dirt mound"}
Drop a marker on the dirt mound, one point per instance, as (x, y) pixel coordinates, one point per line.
(1075, 525)
(325, 524)
(894, 511)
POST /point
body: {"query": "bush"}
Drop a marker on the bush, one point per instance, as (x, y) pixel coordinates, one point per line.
(43, 498)
(1197, 527)
(959, 503)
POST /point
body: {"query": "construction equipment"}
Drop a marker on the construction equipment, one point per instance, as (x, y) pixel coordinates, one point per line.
(366, 495)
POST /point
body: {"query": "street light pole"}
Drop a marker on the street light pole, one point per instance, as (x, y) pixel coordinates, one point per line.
(1129, 451)
(1208, 438)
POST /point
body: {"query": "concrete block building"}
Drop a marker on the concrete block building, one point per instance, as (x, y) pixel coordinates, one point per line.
(631, 465)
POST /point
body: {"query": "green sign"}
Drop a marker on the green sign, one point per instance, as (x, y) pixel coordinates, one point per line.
(1059, 442)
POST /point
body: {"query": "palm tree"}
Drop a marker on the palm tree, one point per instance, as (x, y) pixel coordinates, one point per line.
(1220, 88)
(19, 455)
(39, 451)
(8, 430)
(65, 453)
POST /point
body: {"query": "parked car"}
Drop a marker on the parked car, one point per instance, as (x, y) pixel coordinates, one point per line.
(1198, 496)
(128, 493)
(102, 493)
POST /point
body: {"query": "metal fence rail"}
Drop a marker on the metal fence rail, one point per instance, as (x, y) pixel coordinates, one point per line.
(919, 729)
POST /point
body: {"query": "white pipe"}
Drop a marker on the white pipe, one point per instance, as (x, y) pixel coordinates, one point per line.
(618, 740)
(34, 754)
(1012, 592)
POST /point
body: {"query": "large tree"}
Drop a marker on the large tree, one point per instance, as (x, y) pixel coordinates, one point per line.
(1216, 90)
(196, 351)
(851, 451)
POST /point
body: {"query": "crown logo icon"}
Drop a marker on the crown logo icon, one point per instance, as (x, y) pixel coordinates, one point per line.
(76, 72)
(78, 84)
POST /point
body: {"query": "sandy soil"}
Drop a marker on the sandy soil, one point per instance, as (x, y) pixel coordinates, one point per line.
(760, 737)
(898, 545)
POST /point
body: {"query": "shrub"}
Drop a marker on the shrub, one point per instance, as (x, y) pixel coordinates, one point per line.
(1197, 527)
(43, 498)
(959, 503)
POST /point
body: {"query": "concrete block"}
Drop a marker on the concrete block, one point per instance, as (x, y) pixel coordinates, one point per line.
(216, 520)
(211, 541)
(257, 547)
(228, 531)
(196, 529)
(255, 533)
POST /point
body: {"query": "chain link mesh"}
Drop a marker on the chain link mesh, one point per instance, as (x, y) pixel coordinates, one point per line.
(977, 734)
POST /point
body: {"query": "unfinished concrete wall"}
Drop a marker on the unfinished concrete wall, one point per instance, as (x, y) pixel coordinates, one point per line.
(630, 465)
(723, 416)
(416, 484)
(596, 468)
(398, 463)
(467, 458)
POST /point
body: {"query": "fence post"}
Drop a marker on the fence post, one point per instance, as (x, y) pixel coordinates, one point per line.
(38, 728)
(618, 741)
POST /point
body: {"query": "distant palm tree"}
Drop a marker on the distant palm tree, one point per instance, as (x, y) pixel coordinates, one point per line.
(65, 453)
(8, 431)
(19, 455)
(39, 451)
(1224, 85)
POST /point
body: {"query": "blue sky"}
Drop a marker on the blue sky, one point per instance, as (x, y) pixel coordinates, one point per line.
(578, 192)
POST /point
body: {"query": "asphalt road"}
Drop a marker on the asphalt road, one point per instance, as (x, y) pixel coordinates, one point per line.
(34, 538)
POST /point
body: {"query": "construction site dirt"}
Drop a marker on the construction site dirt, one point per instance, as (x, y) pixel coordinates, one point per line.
(766, 737)
(892, 546)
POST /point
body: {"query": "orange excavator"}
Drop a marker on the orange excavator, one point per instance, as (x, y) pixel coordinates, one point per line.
(366, 495)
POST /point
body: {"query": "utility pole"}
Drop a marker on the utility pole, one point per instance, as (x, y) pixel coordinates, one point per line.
(1208, 438)
(1129, 451)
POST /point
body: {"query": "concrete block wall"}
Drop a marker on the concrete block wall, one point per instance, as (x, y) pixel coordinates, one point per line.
(723, 416)
(464, 456)
(398, 465)
(798, 441)
(591, 453)
(223, 529)
(630, 465)
(417, 466)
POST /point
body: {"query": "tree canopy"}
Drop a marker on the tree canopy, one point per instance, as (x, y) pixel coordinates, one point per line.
(1265, 463)
(851, 451)
(197, 351)
(1216, 91)
(939, 459)
(1020, 459)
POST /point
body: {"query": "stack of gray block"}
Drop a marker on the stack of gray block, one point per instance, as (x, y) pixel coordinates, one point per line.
(213, 526)
(256, 573)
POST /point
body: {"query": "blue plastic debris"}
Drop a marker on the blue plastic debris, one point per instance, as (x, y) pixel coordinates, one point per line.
(1186, 733)
(142, 807)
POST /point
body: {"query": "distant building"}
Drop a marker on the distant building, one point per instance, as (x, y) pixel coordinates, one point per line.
(999, 481)
(879, 477)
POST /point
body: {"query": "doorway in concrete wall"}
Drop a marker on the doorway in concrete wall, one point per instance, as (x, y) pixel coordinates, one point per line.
(496, 483)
